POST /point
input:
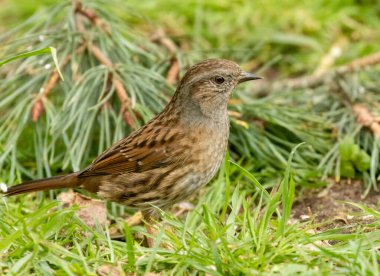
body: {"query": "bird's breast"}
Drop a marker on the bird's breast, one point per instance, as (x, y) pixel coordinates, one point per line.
(209, 153)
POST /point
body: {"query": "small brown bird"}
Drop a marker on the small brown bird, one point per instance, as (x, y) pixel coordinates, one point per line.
(173, 155)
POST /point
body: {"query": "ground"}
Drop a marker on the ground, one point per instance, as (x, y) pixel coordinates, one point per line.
(328, 205)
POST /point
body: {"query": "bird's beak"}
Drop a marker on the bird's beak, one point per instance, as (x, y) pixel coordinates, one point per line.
(247, 77)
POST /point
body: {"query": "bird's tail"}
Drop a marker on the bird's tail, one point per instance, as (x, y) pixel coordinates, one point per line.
(55, 182)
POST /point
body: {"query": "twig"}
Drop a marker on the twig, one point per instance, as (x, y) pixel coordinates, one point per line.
(91, 15)
(365, 118)
(102, 58)
(38, 106)
(173, 72)
(316, 80)
(363, 115)
(160, 37)
(328, 60)
(119, 87)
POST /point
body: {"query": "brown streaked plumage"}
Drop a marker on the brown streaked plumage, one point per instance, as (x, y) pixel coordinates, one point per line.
(173, 155)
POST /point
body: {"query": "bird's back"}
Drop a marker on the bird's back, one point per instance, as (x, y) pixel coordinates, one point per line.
(161, 163)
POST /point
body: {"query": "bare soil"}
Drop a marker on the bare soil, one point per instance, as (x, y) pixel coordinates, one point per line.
(328, 205)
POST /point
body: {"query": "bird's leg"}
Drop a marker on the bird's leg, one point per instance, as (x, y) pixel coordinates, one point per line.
(149, 219)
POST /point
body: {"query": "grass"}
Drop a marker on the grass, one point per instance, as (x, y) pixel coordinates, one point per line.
(235, 233)
(242, 222)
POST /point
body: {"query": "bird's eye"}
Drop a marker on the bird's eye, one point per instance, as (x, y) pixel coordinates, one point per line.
(219, 80)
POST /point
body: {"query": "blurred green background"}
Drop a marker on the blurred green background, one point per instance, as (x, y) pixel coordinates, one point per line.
(296, 34)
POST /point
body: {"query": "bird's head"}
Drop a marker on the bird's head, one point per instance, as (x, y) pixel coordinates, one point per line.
(207, 86)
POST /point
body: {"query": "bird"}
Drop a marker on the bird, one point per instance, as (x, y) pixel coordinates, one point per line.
(173, 155)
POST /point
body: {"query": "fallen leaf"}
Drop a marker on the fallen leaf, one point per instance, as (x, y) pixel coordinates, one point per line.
(183, 207)
(109, 270)
(91, 211)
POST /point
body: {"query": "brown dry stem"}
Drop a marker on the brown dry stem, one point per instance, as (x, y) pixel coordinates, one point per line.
(38, 106)
(160, 37)
(316, 80)
(173, 73)
(91, 15)
(365, 118)
(103, 59)
(121, 92)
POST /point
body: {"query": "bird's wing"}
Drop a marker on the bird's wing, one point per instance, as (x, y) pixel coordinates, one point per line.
(146, 149)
